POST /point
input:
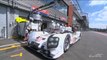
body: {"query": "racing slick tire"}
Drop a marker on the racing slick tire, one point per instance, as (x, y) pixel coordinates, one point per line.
(66, 43)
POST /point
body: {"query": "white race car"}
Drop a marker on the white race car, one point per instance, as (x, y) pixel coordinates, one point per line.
(52, 45)
(53, 42)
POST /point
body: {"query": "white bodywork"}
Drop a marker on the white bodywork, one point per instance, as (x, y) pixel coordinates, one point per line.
(54, 52)
(39, 39)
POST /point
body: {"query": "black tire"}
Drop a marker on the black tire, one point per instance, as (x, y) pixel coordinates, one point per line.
(67, 43)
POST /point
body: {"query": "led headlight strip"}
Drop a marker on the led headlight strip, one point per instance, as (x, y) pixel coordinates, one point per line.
(52, 42)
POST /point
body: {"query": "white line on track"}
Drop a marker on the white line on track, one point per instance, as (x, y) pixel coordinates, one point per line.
(9, 45)
(104, 34)
(15, 51)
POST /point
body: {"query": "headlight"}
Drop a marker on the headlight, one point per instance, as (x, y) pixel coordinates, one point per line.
(52, 42)
(56, 39)
(51, 39)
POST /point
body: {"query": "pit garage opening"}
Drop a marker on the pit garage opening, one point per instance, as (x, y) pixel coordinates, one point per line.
(43, 26)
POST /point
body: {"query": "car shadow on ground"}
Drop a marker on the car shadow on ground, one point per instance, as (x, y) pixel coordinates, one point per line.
(34, 52)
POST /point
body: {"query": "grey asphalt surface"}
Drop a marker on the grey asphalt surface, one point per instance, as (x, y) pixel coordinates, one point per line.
(7, 41)
(92, 46)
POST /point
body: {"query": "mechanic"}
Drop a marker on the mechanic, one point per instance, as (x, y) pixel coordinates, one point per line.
(34, 24)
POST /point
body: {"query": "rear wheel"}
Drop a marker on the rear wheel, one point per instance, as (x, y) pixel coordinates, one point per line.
(67, 43)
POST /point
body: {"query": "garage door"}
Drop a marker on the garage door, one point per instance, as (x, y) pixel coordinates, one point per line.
(2, 21)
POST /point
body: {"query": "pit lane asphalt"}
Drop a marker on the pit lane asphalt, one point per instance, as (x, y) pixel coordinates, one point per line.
(92, 46)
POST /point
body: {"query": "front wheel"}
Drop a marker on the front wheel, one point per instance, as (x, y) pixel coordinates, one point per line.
(67, 43)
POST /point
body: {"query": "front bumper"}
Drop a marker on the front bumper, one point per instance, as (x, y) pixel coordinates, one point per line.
(46, 53)
(51, 53)
(34, 45)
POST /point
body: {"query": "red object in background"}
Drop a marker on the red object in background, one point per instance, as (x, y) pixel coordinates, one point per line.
(34, 7)
(43, 11)
(70, 15)
(63, 18)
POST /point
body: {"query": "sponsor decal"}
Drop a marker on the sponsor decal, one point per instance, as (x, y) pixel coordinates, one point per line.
(42, 11)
